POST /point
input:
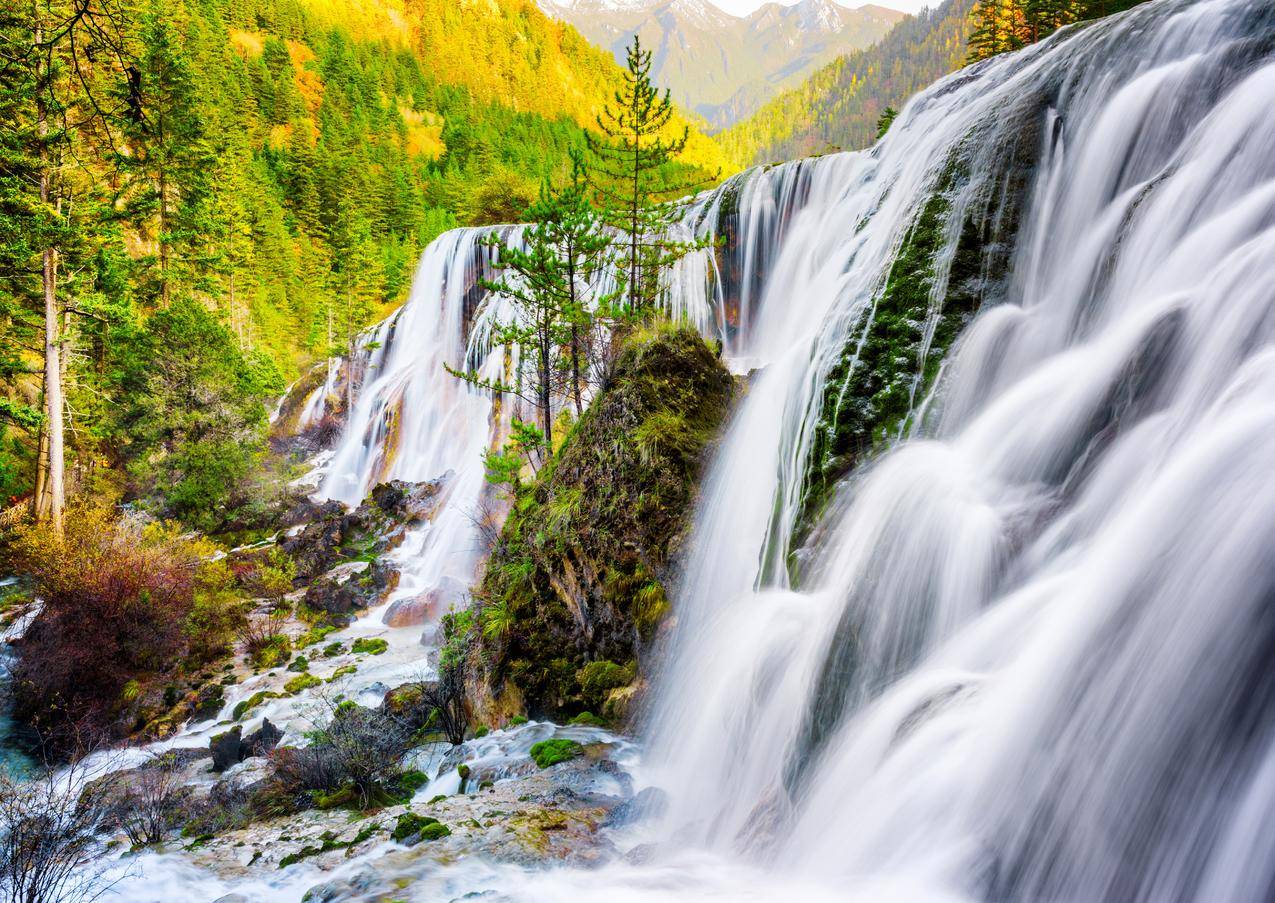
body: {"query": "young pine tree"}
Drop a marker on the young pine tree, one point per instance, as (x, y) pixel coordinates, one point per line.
(550, 279)
(633, 175)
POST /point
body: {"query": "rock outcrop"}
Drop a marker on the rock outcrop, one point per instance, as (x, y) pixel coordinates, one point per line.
(574, 590)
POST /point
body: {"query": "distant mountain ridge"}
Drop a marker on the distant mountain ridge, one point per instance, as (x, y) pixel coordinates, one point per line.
(722, 66)
(838, 106)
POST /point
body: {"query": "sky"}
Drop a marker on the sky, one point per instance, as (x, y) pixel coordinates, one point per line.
(743, 7)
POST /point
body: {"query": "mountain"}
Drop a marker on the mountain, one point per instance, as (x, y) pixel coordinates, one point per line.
(839, 105)
(723, 66)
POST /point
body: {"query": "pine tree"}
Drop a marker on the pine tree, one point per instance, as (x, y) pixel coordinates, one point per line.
(169, 159)
(54, 57)
(632, 173)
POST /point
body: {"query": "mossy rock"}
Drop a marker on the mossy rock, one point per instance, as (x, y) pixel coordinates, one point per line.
(551, 752)
(413, 827)
(596, 531)
(301, 682)
(589, 719)
(244, 706)
(343, 671)
(300, 663)
(369, 645)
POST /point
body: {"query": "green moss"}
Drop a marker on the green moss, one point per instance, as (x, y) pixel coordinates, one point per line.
(409, 782)
(301, 682)
(314, 635)
(343, 671)
(588, 718)
(483, 731)
(332, 650)
(597, 679)
(518, 719)
(551, 752)
(890, 362)
(343, 797)
(328, 843)
(422, 827)
(369, 645)
(244, 706)
(300, 663)
(435, 831)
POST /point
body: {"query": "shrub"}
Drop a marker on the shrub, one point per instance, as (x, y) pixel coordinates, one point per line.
(120, 604)
(551, 752)
(47, 847)
(266, 644)
(358, 748)
(150, 805)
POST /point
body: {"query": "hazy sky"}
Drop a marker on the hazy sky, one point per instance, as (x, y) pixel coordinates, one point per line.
(740, 7)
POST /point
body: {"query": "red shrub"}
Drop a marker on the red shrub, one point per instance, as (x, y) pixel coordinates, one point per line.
(116, 605)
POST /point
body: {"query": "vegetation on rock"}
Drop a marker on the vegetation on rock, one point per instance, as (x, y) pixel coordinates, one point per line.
(551, 752)
(579, 567)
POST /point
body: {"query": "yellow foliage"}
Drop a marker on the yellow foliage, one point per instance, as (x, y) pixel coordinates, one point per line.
(424, 133)
(247, 43)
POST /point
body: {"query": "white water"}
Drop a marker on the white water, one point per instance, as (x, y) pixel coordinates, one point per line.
(1029, 655)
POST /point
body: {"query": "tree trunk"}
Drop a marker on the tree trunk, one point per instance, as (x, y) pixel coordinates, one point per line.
(51, 505)
(163, 235)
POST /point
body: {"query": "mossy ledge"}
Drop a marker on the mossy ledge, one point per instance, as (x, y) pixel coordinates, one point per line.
(891, 361)
(578, 575)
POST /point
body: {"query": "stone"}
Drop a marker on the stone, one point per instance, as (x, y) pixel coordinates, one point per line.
(262, 740)
(427, 607)
(227, 748)
(650, 802)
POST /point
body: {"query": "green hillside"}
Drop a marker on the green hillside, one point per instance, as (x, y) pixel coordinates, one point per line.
(271, 167)
(838, 106)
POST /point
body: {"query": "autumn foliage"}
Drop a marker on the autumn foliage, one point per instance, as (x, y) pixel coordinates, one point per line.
(121, 603)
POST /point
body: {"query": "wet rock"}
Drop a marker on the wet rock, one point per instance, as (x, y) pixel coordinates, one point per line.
(208, 704)
(641, 854)
(428, 606)
(651, 802)
(232, 898)
(227, 748)
(262, 740)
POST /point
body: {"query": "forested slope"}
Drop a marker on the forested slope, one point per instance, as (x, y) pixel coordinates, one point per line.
(838, 107)
(263, 173)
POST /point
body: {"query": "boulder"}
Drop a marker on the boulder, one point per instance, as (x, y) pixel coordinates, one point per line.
(227, 748)
(651, 802)
(428, 606)
(262, 740)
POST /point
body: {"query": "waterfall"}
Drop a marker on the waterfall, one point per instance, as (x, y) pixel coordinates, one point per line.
(1024, 651)
(979, 603)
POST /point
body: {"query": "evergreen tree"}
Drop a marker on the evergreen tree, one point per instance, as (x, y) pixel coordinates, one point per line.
(54, 54)
(168, 160)
(633, 160)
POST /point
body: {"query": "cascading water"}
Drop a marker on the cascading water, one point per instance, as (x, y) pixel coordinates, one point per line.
(1012, 641)
(1028, 657)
